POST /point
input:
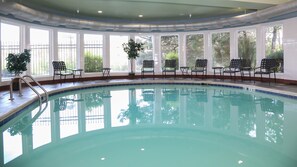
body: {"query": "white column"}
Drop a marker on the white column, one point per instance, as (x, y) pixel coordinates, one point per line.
(182, 48)
(208, 51)
(260, 43)
(25, 43)
(233, 45)
(80, 50)
(106, 50)
(157, 53)
(54, 44)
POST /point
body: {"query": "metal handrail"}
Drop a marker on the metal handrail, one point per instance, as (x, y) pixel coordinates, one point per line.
(20, 90)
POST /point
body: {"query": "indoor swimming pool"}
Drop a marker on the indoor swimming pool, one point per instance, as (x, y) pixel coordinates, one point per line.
(154, 125)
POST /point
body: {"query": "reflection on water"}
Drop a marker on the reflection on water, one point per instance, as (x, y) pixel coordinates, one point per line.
(254, 117)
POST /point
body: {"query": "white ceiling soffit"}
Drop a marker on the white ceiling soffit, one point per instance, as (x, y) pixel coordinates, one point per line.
(17, 11)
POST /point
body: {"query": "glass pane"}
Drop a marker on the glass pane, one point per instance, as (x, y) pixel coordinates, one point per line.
(247, 46)
(39, 44)
(147, 54)
(221, 49)
(93, 53)
(67, 49)
(194, 48)
(169, 48)
(10, 43)
(118, 58)
(274, 45)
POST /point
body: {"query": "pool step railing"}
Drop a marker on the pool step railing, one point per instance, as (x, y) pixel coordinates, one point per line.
(42, 98)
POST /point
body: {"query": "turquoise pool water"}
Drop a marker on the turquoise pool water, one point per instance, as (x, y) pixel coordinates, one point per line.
(154, 125)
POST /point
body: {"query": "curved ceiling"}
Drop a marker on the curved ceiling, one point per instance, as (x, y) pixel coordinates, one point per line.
(156, 15)
(151, 10)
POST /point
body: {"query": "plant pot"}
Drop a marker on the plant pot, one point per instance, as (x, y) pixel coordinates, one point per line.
(15, 84)
(131, 74)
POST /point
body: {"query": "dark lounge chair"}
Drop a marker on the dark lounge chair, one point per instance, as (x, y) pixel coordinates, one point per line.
(148, 67)
(200, 67)
(267, 67)
(233, 68)
(170, 66)
(61, 70)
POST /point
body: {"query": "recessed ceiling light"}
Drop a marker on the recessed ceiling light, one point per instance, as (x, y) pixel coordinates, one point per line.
(100, 11)
(140, 15)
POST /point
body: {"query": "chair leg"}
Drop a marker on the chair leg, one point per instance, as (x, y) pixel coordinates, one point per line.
(274, 78)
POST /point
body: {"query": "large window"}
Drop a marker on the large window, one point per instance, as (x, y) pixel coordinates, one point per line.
(194, 48)
(67, 48)
(247, 46)
(274, 45)
(93, 53)
(10, 43)
(39, 44)
(147, 54)
(118, 58)
(221, 49)
(169, 48)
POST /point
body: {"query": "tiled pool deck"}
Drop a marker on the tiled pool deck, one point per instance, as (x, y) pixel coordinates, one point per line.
(9, 106)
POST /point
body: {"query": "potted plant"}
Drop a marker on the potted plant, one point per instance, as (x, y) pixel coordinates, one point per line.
(17, 64)
(132, 49)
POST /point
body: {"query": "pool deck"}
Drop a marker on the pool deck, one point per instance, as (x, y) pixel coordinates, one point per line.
(8, 107)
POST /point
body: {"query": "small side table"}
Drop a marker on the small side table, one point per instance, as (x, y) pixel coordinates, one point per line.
(217, 72)
(77, 72)
(248, 70)
(184, 70)
(106, 72)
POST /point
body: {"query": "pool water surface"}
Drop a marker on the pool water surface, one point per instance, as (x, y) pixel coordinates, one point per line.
(156, 125)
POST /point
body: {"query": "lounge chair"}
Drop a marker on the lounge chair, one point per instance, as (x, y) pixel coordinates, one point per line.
(61, 70)
(233, 68)
(267, 67)
(148, 67)
(200, 66)
(170, 66)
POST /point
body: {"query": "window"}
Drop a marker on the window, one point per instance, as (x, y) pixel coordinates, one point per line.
(93, 53)
(147, 54)
(274, 45)
(194, 48)
(39, 44)
(169, 48)
(221, 49)
(118, 58)
(67, 49)
(10, 43)
(247, 46)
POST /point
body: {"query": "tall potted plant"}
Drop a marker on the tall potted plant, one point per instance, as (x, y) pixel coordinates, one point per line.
(17, 64)
(132, 49)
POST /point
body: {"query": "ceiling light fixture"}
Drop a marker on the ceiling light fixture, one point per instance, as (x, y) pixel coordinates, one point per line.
(140, 15)
(100, 11)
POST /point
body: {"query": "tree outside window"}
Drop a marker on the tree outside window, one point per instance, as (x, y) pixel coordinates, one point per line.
(169, 48)
(194, 48)
(274, 45)
(221, 49)
(247, 46)
(147, 53)
(93, 53)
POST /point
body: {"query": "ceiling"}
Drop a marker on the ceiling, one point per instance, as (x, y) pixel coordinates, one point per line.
(157, 15)
(151, 10)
